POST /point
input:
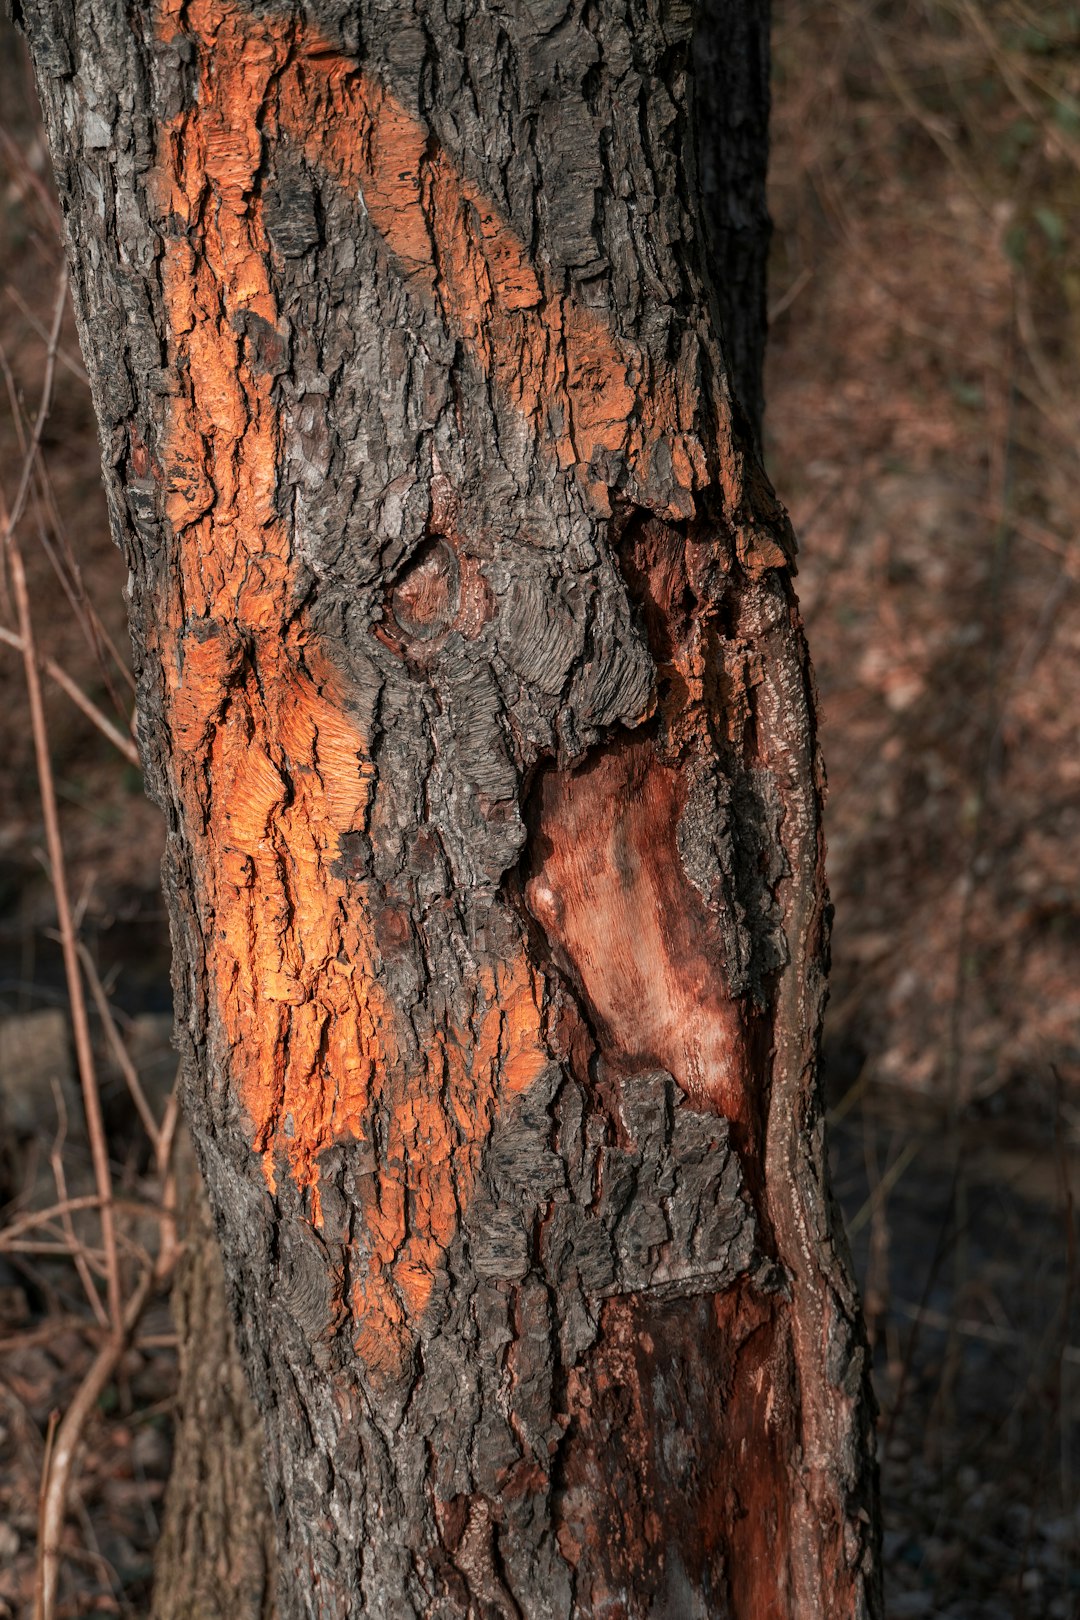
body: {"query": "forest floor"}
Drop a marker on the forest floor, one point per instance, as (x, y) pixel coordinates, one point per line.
(923, 408)
(922, 426)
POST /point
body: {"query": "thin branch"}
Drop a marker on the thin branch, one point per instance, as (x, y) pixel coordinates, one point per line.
(946, 1322)
(56, 1476)
(120, 1052)
(80, 1259)
(49, 1330)
(53, 1212)
(24, 175)
(68, 361)
(50, 667)
(63, 561)
(80, 1020)
(65, 1248)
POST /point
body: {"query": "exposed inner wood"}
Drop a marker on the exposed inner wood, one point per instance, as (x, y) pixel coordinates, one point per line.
(717, 1373)
(425, 600)
(612, 895)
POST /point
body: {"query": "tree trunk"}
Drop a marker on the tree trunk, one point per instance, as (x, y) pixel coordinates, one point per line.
(215, 1559)
(473, 689)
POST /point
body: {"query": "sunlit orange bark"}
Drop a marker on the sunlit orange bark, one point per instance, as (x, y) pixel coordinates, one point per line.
(276, 770)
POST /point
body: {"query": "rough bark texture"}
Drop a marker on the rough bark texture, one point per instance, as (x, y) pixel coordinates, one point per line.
(473, 689)
(215, 1559)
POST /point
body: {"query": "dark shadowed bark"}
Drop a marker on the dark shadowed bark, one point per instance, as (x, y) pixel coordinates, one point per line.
(215, 1558)
(473, 689)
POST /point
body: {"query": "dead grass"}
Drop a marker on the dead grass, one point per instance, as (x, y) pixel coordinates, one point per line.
(90, 1239)
(922, 420)
(923, 416)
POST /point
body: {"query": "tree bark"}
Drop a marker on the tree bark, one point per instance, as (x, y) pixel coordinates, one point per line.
(215, 1558)
(473, 689)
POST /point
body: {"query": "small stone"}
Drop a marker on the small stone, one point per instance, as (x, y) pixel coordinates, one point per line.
(14, 1306)
(35, 1055)
(151, 1452)
(1018, 1521)
(892, 1544)
(941, 1555)
(911, 1605)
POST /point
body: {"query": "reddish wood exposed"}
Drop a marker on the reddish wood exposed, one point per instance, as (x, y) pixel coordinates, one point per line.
(704, 1520)
(611, 894)
(425, 599)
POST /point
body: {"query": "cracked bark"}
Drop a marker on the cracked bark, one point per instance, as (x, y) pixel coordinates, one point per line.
(215, 1557)
(473, 689)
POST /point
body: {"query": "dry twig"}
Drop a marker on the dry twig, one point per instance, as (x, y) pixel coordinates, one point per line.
(50, 667)
(80, 1020)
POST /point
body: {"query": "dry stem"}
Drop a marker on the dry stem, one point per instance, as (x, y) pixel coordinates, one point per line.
(79, 1018)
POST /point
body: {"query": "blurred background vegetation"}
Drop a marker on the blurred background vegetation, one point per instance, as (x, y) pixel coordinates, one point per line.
(922, 425)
